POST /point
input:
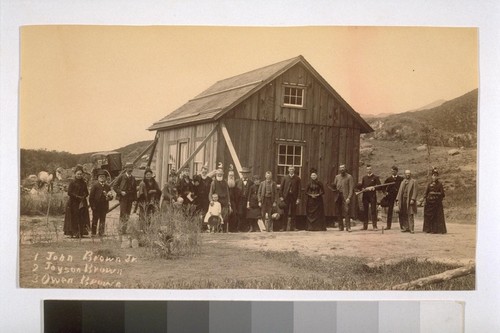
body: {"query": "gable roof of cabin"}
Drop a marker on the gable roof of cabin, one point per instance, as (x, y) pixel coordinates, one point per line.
(222, 96)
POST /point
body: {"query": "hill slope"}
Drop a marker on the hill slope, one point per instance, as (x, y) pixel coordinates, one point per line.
(454, 123)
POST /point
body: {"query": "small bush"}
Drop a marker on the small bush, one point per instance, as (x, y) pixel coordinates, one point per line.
(173, 231)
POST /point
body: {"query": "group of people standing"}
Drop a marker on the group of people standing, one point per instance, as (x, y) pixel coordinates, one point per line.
(145, 193)
(400, 195)
(239, 204)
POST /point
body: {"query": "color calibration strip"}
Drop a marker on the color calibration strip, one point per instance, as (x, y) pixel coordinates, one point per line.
(253, 316)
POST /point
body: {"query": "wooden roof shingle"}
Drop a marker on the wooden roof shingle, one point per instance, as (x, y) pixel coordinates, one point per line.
(222, 96)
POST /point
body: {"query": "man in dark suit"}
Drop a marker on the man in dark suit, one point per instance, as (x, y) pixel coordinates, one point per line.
(243, 185)
(368, 184)
(125, 188)
(391, 194)
(289, 193)
(100, 194)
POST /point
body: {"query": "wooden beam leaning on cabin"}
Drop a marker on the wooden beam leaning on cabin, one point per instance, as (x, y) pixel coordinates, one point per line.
(202, 144)
(230, 146)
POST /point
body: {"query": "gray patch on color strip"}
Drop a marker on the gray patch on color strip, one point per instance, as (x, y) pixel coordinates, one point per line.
(441, 317)
(187, 316)
(399, 316)
(230, 317)
(315, 317)
(357, 317)
(145, 316)
(272, 317)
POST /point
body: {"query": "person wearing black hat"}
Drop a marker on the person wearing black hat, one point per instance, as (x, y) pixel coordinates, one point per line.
(391, 193)
(76, 219)
(100, 195)
(125, 188)
(148, 198)
(315, 209)
(433, 209)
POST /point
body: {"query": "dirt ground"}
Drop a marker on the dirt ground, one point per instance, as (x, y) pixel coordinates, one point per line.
(458, 244)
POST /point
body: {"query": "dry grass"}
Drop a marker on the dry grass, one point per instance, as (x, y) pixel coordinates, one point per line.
(172, 232)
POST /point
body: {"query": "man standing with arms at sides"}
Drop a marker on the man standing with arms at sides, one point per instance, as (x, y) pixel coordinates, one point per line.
(392, 192)
(289, 193)
(267, 196)
(406, 201)
(125, 188)
(243, 185)
(368, 184)
(344, 185)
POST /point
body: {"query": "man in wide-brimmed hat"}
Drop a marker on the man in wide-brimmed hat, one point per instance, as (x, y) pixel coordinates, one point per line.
(100, 195)
(125, 188)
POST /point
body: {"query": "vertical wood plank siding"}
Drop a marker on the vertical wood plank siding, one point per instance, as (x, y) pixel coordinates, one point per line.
(328, 133)
(175, 135)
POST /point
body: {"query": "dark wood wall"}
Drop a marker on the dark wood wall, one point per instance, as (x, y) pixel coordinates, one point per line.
(329, 133)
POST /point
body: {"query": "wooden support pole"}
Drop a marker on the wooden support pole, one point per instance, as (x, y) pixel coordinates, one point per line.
(202, 144)
(150, 159)
(445, 276)
(230, 146)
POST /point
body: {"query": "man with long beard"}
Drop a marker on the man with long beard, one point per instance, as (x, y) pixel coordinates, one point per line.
(219, 186)
(233, 200)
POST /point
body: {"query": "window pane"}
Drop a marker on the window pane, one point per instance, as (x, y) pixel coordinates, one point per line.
(282, 150)
(289, 160)
(299, 100)
(289, 150)
(281, 170)
(298, 150)
(297, 160)
(282, 159)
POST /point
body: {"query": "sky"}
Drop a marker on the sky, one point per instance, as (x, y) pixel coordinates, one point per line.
(92, 88)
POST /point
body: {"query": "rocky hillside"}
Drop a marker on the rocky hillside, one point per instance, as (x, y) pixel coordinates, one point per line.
(452, 124)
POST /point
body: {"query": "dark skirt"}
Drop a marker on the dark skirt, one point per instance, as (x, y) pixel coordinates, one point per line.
(434, 217)
(253, 213)
(315, 213)
(76, 220)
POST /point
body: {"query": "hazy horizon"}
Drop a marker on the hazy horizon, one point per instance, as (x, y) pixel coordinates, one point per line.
(95, 88)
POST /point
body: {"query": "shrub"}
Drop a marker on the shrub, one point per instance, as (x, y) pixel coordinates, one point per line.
(173, 231)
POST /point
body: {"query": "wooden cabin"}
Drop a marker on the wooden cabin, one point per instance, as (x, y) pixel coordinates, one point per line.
(266, 119)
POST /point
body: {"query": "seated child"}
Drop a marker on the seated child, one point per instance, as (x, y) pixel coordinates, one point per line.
(215, 211)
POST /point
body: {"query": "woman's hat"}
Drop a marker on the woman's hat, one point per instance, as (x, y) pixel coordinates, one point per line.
(101, 172)
(79, 167)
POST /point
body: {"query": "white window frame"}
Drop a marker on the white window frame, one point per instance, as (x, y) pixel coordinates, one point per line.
(199, 159)
(302, 89)
(284, 166)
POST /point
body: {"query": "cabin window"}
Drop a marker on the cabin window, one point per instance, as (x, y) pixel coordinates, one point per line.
(199, 159)
(183, 152)
(289, 155)
(172, 157)
(293, 96)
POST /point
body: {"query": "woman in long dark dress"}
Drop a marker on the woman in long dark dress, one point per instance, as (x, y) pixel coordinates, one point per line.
(76, 219)
(148, 198)
(315, 210)
(433, 209)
